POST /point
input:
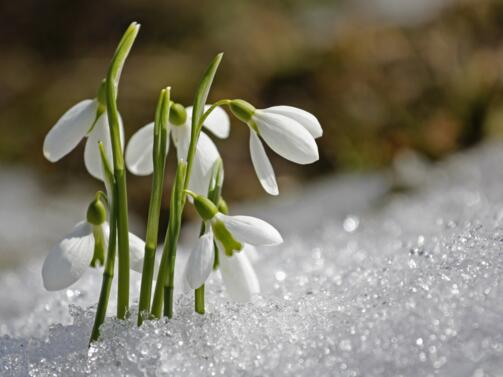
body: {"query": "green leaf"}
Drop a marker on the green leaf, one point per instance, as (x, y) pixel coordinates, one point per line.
(203, 91)
(121, 54)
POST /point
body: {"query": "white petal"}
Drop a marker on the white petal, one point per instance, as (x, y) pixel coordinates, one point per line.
(136, 252)
(239, 277)
(306, 119)
(202, 168)
(286, 137)
(262, 165)
(139, 150)
(251, 252)
(200, 262)
(181, 139)
(251, 230)
(70, 129)
(217, 122)
(66, 263)
(92, 158)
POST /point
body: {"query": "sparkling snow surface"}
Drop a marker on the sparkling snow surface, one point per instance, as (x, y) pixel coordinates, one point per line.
(366, 284)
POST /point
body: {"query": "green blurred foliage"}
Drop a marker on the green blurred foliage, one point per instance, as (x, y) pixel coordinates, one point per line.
(377, 85)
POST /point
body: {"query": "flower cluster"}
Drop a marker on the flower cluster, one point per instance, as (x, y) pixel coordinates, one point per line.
(226, 243)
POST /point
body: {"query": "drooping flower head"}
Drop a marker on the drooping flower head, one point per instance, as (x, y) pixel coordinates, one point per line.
(87, 119)
(139, 150)
(230, 233)
(287, 130)
(85, 247)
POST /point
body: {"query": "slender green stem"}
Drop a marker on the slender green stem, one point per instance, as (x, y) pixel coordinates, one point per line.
(112, 83)
(108, 275)
(168, 301)
(214, 191)
(165, 279)
(199, 300)
(159, 159)
(212, 107)
(166, 266)
(108, 272)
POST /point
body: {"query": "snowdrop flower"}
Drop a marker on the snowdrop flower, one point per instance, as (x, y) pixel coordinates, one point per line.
(200, 262)
(81, 249)
(139, 151)
(231, 233)
(87, 119)
(287, 130)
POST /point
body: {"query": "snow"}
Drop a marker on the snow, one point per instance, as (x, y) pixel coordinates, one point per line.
(369, 282)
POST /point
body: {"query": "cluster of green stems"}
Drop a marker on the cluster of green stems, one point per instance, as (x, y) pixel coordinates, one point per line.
(161, 301)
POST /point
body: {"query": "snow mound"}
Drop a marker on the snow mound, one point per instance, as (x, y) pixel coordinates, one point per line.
(406, 285)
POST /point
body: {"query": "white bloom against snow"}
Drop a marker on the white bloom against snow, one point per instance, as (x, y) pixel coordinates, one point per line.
(71, 257)
(201, 260)
(287, 130)
(139, 152)
(239, 277)
(81, 121)
(231, 234)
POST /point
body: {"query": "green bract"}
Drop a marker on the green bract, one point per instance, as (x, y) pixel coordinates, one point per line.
(96, 212)
(242, 110)
(178, 115)
(205, 207)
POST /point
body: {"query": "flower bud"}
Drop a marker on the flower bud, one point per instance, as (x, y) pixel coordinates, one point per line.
(242, 110)
(96, 212)
(205, 207)
(177, 115)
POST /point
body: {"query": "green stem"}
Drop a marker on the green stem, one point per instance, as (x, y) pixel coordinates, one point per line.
(112, 82)
(108, 272)
(108, 275)
(214, 193)
(166, 266)
(159, 156)
(199, 300)
(165, 278)
(168, 302)
(212, 107)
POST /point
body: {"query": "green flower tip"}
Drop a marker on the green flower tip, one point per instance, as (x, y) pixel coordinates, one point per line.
(96, 212)
(225, 237)
(242, 110)
(134, 27)
(178, 114)
(204, 207)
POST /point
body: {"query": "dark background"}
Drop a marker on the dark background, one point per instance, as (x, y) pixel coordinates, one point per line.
(382, 76)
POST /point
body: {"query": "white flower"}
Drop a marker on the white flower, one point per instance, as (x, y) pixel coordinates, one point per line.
(68, 261)
(76, 124)
(237, 272)
(139, 159)
(234, 235)
(289, 131)
(200, 262)
(239, 277)
(250, 230)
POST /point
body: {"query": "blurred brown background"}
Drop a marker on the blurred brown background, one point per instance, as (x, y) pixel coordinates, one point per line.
(382, 76)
